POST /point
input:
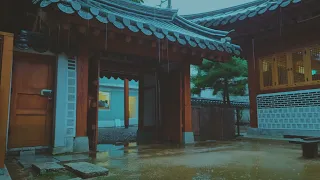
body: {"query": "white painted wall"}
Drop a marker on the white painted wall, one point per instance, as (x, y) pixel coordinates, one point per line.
(65, 104)
(61, 101)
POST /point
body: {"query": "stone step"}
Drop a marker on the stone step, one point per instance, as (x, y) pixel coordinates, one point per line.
(45, 167)
(86, 170)
(28, 160)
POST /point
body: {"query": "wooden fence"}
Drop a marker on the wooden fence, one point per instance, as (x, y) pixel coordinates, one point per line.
(213, 123)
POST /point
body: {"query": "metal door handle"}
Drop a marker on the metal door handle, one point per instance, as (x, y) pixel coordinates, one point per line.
(47, 93)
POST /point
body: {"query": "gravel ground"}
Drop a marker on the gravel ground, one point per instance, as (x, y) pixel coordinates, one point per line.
(113, 135)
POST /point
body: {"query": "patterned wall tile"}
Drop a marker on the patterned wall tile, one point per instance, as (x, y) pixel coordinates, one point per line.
(290, 110)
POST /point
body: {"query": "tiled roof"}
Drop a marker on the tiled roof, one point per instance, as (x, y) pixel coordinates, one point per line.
(240, 12)
(161, 23)
(216, 102)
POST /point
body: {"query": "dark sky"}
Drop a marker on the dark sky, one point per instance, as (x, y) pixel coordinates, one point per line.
(197, 6)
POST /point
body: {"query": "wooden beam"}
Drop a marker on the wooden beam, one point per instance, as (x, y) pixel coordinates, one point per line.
(82, 92)
(126, 103)
(5, 89)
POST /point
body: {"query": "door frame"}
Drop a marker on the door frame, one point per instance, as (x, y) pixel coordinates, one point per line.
(46, 57)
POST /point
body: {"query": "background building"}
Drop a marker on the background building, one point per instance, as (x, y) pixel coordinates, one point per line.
(111, 103)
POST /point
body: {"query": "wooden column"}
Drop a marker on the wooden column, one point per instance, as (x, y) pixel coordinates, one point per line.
(126, 103)
(5, 89)
(253, 84)
(93, 96)
(82, 92)
(186, 99)
(141, 103)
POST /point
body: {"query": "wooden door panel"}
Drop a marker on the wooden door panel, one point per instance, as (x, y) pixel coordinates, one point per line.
(31, 113)
(28, 131)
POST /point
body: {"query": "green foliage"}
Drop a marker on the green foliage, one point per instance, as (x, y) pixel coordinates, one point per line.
(138, 1)
(228, 78)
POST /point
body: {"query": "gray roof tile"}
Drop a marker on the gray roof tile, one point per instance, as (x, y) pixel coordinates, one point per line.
(240, 12)
(162, 23)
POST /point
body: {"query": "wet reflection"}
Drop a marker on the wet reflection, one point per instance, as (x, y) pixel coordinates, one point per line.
(227, 160)
(218, 161)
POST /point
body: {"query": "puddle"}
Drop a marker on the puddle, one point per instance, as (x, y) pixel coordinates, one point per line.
(228, 160)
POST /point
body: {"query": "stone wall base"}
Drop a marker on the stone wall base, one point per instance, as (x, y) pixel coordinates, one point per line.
(188, 137)
(281, 132)
(73, 144)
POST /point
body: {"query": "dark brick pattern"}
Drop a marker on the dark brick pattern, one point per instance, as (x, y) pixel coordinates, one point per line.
(295, 99)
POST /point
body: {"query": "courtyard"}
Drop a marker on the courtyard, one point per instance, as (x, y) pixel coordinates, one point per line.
(239, 159)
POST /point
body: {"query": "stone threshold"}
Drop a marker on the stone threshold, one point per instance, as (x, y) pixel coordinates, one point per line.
(4, 174)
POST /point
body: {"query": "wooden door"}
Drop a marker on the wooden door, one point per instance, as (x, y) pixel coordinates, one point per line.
(31, 113)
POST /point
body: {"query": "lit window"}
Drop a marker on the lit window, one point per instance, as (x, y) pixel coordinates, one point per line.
(104, 100)
(132, 106)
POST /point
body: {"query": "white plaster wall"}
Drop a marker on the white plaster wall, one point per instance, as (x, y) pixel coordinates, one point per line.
(65, 101)
(61, 101)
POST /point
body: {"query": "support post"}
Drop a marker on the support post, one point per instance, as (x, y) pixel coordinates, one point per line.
(141, 103)
(82, 92)
(188, 136)
(126, 103)
(238, 121)
(253, 83)
(5, 90)
(93, 93)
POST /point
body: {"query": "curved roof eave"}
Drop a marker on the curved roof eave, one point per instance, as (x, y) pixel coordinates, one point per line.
(239, 12)
(162, 23)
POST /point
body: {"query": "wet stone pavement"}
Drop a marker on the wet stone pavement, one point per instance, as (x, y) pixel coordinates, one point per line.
(247, 160)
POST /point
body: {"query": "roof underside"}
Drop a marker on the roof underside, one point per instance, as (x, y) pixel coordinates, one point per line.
(240, 12)
(161, 23)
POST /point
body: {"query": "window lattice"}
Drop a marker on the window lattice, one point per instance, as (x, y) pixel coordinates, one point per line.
(298, 67)
(282, 69)
(315, 63)
(267, 72)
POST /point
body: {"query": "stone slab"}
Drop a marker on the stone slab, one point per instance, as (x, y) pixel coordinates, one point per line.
(27, 161)
(81, 144)
(28, 152)
(188, 137)
(4, 174)
(87, 170)
(73, 157)
(46, 167)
